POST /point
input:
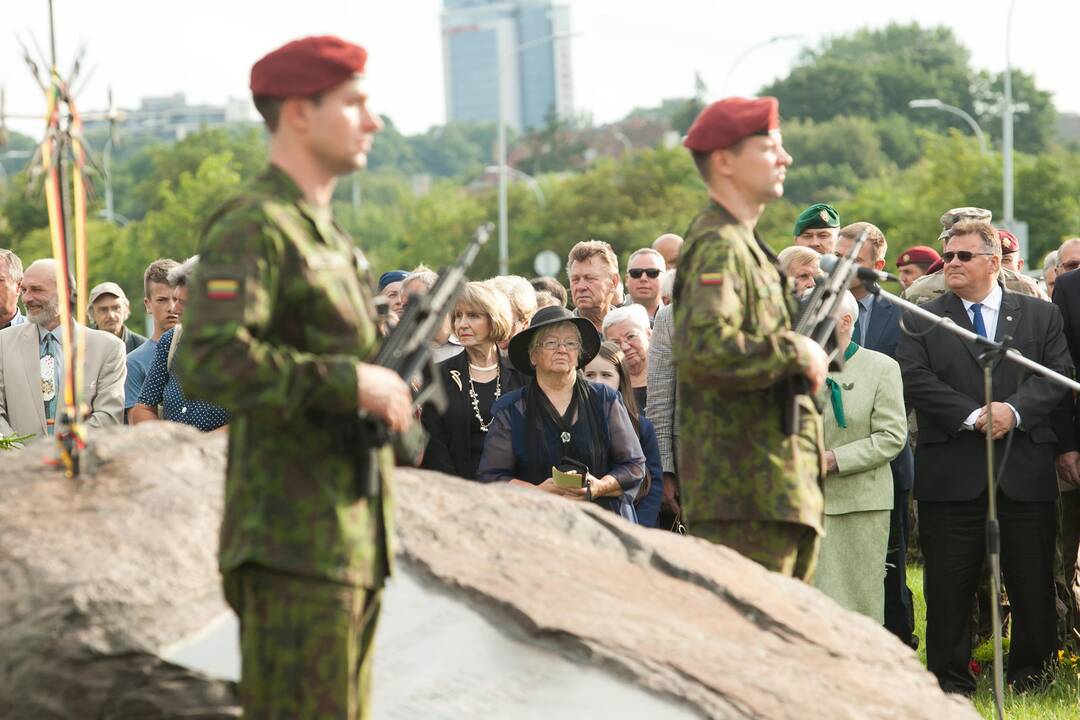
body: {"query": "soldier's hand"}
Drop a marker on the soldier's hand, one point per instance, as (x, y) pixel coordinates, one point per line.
(384, 395)
(818, 367)
(1068, 466)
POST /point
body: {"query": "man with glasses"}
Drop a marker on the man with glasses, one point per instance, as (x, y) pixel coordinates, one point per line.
(943, 382)
(643, 272)
(933, 284)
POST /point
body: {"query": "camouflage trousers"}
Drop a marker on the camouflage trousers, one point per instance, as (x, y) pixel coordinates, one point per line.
(306, 645)
(787, 548)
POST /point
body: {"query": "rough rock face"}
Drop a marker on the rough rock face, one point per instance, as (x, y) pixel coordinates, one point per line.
(98, 575)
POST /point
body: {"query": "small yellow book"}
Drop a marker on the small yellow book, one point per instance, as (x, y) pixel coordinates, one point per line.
(566, 479)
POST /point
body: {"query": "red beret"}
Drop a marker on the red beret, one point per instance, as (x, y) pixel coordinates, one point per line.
(918, 255)
(306, 67)
(728, 121)
(1009, 243)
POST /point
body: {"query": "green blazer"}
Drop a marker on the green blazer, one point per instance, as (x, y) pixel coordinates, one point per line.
(873, 395)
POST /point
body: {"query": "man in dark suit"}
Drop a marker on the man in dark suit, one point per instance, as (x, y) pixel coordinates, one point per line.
(878, 328)
(1067, 297)
(943, 382)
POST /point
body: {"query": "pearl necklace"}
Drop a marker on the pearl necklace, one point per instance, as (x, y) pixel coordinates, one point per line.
(476, 402)
(489, 368)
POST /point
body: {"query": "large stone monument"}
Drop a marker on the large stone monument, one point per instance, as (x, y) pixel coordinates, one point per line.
(508, 604)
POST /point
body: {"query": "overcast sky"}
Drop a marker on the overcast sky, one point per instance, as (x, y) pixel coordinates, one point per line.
(628, 53)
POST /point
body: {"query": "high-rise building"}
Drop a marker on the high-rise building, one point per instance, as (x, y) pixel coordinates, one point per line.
(480, 35)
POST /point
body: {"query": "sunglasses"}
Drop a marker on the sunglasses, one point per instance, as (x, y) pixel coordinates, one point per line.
(962, 255)
(635, 273)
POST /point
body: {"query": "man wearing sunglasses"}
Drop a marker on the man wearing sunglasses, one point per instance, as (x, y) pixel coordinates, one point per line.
(643, 272)
(943, 382)
(932, 284)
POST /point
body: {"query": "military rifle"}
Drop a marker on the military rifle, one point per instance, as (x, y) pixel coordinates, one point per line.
(407, 349)
(817, 321)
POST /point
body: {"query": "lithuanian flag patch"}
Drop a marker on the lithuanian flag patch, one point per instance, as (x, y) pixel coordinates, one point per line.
(711, 279)
(222, 289)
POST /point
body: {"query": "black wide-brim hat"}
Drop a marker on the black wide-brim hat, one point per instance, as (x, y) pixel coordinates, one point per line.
(553, 315)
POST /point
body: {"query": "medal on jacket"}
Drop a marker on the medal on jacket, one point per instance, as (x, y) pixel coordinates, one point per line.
(48, 377)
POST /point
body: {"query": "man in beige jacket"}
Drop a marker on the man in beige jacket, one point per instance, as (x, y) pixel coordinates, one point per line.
(32, 361)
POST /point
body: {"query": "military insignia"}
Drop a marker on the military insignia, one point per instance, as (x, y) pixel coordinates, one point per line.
(848, 386)
(711, 279)
(456, 376)
(906, 258)
(222, 289)
(824, 216)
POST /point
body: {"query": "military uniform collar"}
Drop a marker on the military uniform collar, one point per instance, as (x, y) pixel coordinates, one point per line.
(283, 186)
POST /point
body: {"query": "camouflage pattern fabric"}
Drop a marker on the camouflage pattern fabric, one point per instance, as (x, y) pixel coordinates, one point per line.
(735, 353)
(786, 548)
(279, 313)
(306, 645)
(928, 287)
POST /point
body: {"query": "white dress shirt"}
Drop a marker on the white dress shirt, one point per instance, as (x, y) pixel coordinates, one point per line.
(990, 309)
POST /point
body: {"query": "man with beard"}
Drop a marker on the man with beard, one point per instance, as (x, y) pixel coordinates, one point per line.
(35, 350)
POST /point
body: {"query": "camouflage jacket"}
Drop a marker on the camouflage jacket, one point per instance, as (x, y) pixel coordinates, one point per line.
(928, 287)
(734, 352)
(279, 313)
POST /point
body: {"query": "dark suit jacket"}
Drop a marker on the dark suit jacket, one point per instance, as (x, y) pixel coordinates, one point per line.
(882, 335)
(1067, 298)
(943, 381)
(448, 434)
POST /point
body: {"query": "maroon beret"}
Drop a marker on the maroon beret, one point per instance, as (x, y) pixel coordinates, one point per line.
(1009, 243)
(306, 67)
(918, 255)
(728, 121)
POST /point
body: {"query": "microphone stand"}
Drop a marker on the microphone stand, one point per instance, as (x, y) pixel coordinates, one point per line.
(992, 353)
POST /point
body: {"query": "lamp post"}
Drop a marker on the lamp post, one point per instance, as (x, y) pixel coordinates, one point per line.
(1007, 126)
(524, 177)
(935, 104)
(504, 220)
(765, 43)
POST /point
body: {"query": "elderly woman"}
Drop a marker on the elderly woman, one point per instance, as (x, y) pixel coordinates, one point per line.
(865, 428)
(801, 264)
(474, 380)
(161, 387)
(629, 327)
(561, 421)
(522, 297)
(609, 368)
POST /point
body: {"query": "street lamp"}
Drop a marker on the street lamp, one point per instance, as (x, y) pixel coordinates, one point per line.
(774, 39)
(504, 220)
(524, 177)
(1007, 127)
(935, 104)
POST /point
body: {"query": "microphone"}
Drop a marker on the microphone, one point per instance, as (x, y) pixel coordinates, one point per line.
(829, 262)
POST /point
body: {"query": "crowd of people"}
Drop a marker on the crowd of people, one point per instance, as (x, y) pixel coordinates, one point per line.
(590, 404)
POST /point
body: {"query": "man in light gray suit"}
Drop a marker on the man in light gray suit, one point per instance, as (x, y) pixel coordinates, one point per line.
(661, 412)
(32, 360)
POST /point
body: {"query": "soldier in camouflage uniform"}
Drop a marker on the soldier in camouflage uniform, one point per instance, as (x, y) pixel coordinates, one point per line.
(279, 322)
(933, 285)
(747, 481)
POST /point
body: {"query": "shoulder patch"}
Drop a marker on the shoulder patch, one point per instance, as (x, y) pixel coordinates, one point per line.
(222, 289)
(711, 279)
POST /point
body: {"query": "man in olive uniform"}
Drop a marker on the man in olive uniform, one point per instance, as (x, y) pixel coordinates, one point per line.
(279, 324)
(818, 228)
(932, 284)
(748, 481)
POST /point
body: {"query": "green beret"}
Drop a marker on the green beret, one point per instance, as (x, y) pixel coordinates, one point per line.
(818, 215)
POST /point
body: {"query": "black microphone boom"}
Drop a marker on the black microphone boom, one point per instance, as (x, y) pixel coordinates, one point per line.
(830, 262)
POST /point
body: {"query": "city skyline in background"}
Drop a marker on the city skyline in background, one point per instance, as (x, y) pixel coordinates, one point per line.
(617, 61)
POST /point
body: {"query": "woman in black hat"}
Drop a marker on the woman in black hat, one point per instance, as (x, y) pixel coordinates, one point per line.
(560, 420)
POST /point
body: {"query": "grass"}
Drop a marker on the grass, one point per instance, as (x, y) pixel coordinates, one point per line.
(1060, 702)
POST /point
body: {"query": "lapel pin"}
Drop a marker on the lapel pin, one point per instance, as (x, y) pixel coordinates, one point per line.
(1009, 318)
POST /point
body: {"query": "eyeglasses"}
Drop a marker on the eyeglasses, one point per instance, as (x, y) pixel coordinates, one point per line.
(961, 255)
(1071, 265)
(635, 273)
(627, 339)
(553, 345)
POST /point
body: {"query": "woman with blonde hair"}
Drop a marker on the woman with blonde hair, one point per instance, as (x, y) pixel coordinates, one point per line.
(473, 380)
